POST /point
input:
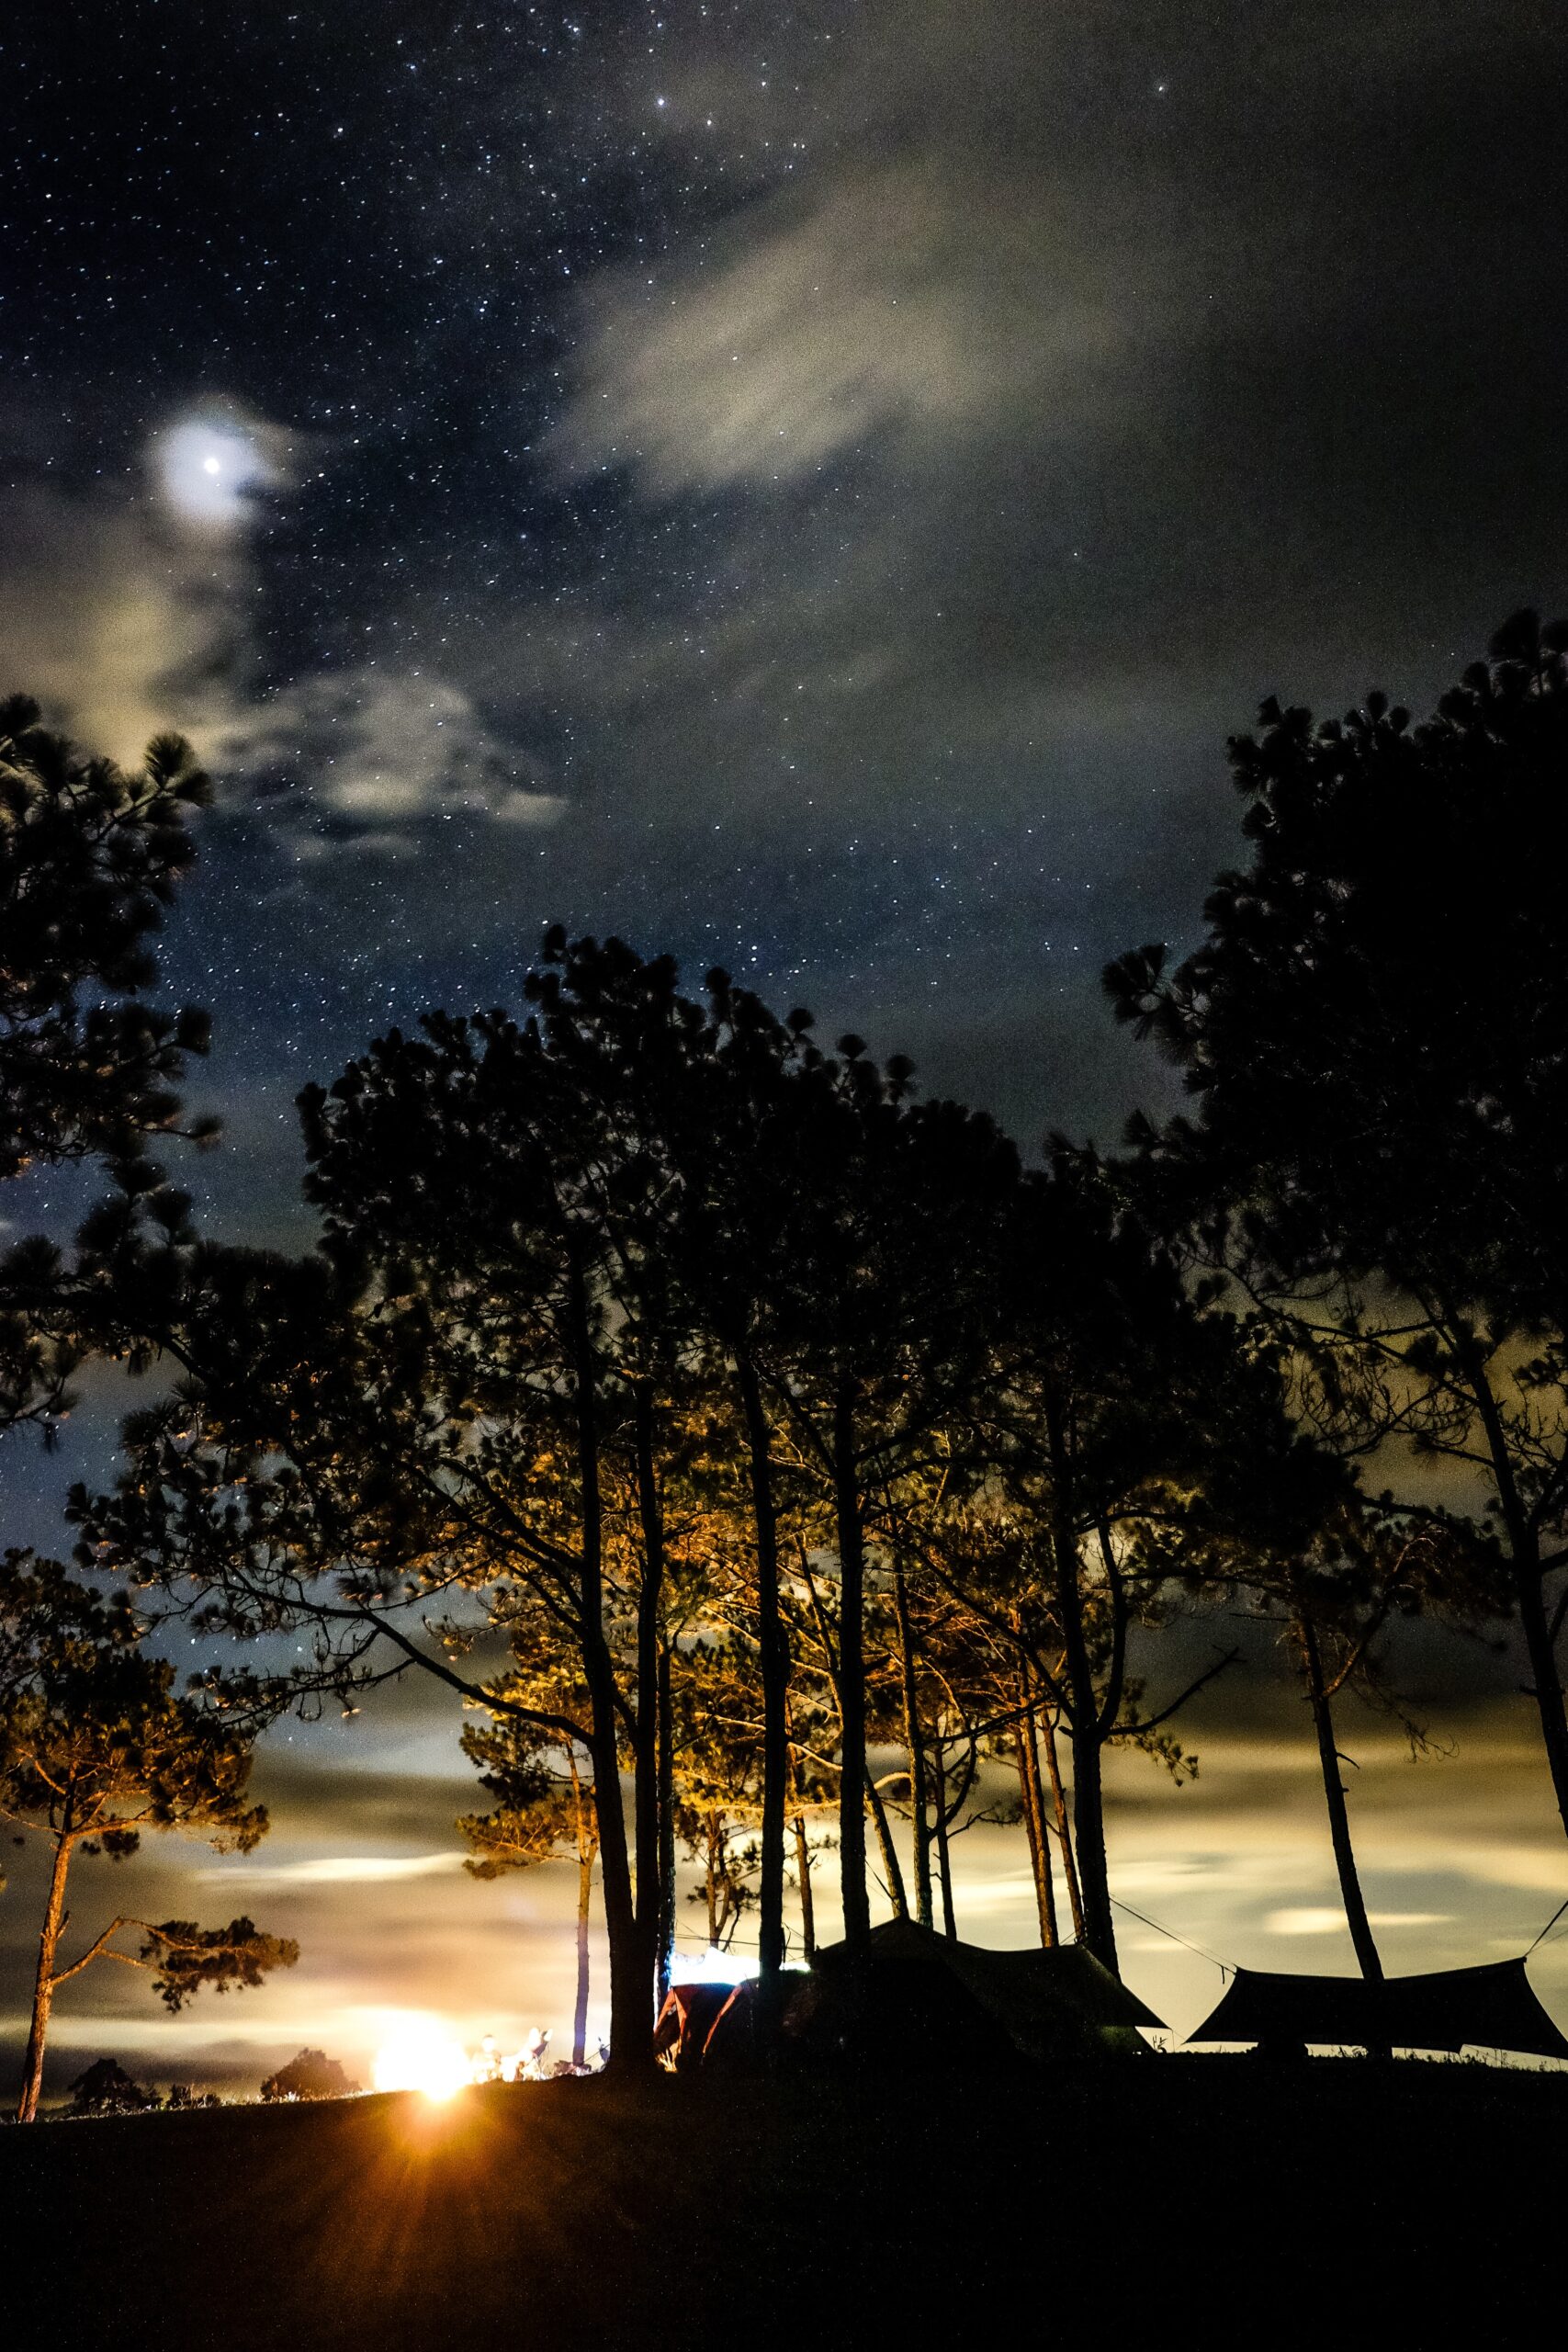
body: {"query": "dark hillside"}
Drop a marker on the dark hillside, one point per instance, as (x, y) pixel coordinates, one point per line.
(1188, 2202)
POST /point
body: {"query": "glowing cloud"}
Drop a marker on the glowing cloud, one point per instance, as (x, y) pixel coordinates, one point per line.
(210, 467)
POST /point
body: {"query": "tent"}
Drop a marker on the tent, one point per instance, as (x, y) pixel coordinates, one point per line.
(690, 2012)
(911, 1997)
(1489, 2007)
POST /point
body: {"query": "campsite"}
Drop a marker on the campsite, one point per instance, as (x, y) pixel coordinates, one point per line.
(784, 1144)
(948, 2135)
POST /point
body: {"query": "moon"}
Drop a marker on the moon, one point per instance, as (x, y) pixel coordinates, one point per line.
(209, 469)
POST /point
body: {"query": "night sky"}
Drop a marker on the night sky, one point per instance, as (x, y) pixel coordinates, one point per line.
(810, 487)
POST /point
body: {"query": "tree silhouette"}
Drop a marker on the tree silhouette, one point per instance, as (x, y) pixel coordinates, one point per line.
(1375, 1030)
(1282, 1527)
(104, 2088)
(1107, 1363)
(97, 1746)
(89, 859)
(309, 2075)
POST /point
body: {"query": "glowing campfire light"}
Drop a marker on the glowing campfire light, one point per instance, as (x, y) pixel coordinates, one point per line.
(712, 1967)
(421, 2056)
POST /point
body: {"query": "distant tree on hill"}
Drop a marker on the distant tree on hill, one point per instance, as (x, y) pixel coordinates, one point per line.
(104, 2088)
(96, 1746)
(309, 2075)
(181, 2098)
(1375, 1035)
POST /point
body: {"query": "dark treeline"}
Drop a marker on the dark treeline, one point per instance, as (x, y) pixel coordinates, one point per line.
(760, 1449)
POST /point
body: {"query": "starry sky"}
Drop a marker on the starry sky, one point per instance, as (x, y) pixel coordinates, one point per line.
(809, 487)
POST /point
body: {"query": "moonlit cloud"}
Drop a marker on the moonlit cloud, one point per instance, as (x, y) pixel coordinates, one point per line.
(346, 1869)
(363, 757)
(902, 304)
(1328, 1919)
(208, 472)
(119, 633)
(212, 463)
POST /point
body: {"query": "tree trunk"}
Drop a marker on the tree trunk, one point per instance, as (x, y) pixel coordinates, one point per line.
(664, 1957)
(943, 1857)
(852, 1670)
(1030, 1826)
(773, 1657)
(1089, 1836)
(1545, 1679)
(1064, 1829)
(1524, 1549)
(802, 1871)
(1033, 1796)
(1367, 1955)
(1083, 1702)
(714, 1835)
(914, 1740)
(43, 1982)
(645, 1799)
(891, 1871)
(586, 1843)
(631, 1950)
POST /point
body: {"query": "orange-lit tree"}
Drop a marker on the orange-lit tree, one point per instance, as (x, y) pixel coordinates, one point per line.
(97, 1746)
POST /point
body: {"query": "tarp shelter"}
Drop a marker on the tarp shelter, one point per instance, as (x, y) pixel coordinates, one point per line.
(911, 1997)
(1491, 2007)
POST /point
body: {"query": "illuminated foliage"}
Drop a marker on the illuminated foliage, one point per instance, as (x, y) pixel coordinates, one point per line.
(97, 1747)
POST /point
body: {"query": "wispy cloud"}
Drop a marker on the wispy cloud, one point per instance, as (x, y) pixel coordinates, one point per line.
(343, 1870)
(128, 614)
(366, 757)
(901, 304)
(1328, 1919)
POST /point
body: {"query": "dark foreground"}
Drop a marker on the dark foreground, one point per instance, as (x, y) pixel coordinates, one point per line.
(1178, 2202)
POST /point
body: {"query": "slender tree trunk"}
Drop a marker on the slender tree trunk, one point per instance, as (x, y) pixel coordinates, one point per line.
(914, 1740)
(586, 1842)
(852, 1670)
(802, 1871)
(1030, 1828)
(714, 1835)
(645, 1801)
(1064, 1830)
(1524, 1549)
(43, 1982)
(631, 1952)
(1088, 1796)
(943, 1856)
(1033, 1800)
(1367, 1955)
(891, 1871)
(773, 1657)
(584, 1906)
(1089, 1836)
(1545, 1679)
(666, 1953)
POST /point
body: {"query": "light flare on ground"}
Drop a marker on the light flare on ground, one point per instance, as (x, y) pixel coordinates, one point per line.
(421, 2055)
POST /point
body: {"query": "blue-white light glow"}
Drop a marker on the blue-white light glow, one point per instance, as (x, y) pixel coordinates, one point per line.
(208, 471)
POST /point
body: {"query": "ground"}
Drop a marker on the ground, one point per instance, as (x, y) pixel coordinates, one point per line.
(1189, 2201)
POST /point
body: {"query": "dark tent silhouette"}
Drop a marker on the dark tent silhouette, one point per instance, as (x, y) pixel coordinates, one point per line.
(912, 1997)
(1489, 2007)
